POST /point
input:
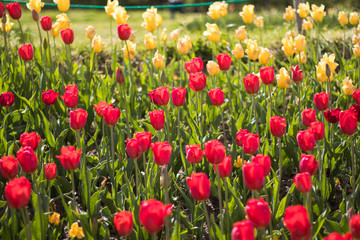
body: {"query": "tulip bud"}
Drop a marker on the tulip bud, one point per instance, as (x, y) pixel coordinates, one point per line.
(8, 167)
(162, 152)
(199, 185)
(178, 96)
(2, 10)
(303, 182)
(253, 174)
(160, 96)
(4, 19)
(27, 159)
(123, 222)
(308, 116)
(119, 76)
(133, 148)
(277, 126)
(194, 65)
(356, 96)
(14, 11)
(197, 81)
(111, 115)
(17, 192)
(157, 119)
(251, 83)
(264, 161)
(267, 75)
(216, 96)
(321, 101)
(308, 164)
(30, 139)
(35, 15)
(45, 44)
(240, 136)
(144, 140)
(348, 122)
(78, 119)
(215, 151)
(224, 167)
(243, 230)
(258, 212)
(50, 171)
(70, 158)
(354, 225)
(250, 143)
(194, 154)
(318, 129)
(152, 214)
(224, 61)
(306, 140)
(296, 220)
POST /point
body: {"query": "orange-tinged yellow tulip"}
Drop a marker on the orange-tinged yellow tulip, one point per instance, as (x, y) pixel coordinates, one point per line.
(348, 87)
(356, 39)
(158, 60)
(283, 78)
(110, 7)
(307, 24)
(164, 35)
(212, 32)
(212, 68)
(264, 56)
(150, 22)
(343, 19)
(356, 50)
(97, 43)
(252, 49)
(35, 4)
(358, 28)
(288, 46)
(241, 33)
(354, 18)
(90, 32)
(184, 45)
(289, 14)
(303, 57)
(55, 219)
(238, 51)
(63, 5)
(318, 13)
(76, 231)
(223, 8)
(214, 11)
(8, 24)
(247, 13)
(63, 21)
(120, 15)
(290, 33)
(238, 162)
(132, 50)
(55, 30)
(150, 41)
(159, 20)
(303, 9)
(330, 60)
(174, 35)
(300, 43)
(259, 22)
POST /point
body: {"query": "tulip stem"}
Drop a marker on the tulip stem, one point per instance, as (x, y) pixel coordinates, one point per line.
(126, 111)
(181, 69)
(344, 45)
(352, 164)
(73, 189)
(239, 81)
(22, 33)
(167, 123)
(111, 37)
(145, 178)
(55, 47)
(229, 89)
(207, 219)
(113, 161)
(25, 216)
(256, 119)
(166, 184)
(5, 41)
(37, 22)
(137, 178)
(226, 198)
(284, 99)
(280, 171)
(309, 206)
(299, 91)
(48, 37)
(36, 186)
(223, 125)
(220, 198)
(270, 99)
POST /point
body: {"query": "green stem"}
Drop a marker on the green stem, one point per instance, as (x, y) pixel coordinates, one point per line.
(22, 33)
(126, 112)
(344, 45)
(280, 169)
(145, 178)
(229, 89)
(34, 177)
(256, 118)
(111, 35)
(227, 200)
(166, 185)
(25, 216)
(207, 219)
(50, 59)
(309, 206)
(130, 72)
(55, 47)
(113, 161)
(167, 123)
(299, 92)
(137, 178)
(73, 189)
(13, 220)
(220, 199)
(270, 99)
(223, 124)
(38, 25)
(352, 163)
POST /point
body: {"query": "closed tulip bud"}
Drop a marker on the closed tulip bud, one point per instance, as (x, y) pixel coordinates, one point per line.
(242, 230)
(306, 140)
(254, 175)
(45, 43)
(264, 56)
(90, 32)
(133, 148)
(70, 158)
(157, 119)
(303, 58)
(212, 32)
(50, 171)
(264, 161)
(259, 21)
(296, 220)
(123, 223)
(288, 46)
(194, 154)
(174, 35)
(348, 122)
(296, 74)
(162, 152)
(144, 140)
(308, 164)
(247, 13)
(289, 14)
(100, 108)
(120, 15)
(5, 24)
(124, 31)
(46, 23)
(240, 136)
(160, 96)
(321, 101)
(152, 215)
(241, 33)
(17, 192)
(7, 99)
(184, 45)
(252, 49)
(332, 115)
(356, 96)
(354, 18)
(348, 87)
(283, 78)
(197, 81)
(8, 167)
(14, 10)
(120, 76)
(250, 143)
(277, 126)
(194, 65)
(97, 44)
(224, 167)
(258, 212)
(308, 116)
(2, 10)
(26, 52)
(318, 13)
(303, 182)
(267, 75)
(63, 5)
(178, 96)
(318, 129)
(149, 41)
(215, 151)
(343, 19)
(303, 9)
(199, 185)
(212, 68)
(67, 36)
(307, 24)
(300, 43)
(216, 96)
(111, 115)
(164, 35)
(251, 83)
(238, 162)
(78, 119)
(35, 15)
(110, 7)
(158, 60)
(27, 159)
(238, 52)
(356, 50)
(30, 139)
(354, 225)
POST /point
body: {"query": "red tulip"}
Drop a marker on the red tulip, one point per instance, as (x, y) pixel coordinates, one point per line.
(133, 148)
(30, 139)
(296, 219)
(354, 225)
(303, 182)
(332, 115)
(67, 36)
(71, 88)
(321, 101)
(160, 96)
(243, 230)
(251, 83)
(251, 143)
(240, 136)
(162, 152)
(157, 119)
(49, 97)
(2, 10)
(119, 75)
(101, 107)
(7, 99)
(306, 140)
(254, 175)
(194, 154)
(224, 167)
(199, 185)
(144, 140)
(348, 236)
(123, 223)
(264, 161)
(224, 61)
(152, 215)
(216, 96)
(197, 81)
(178, 96)
(296, 74)
(334, 236)
(267, 75)
(308, 164)
(277, 126)
(308, 116)
(194, 65)
(8, 167)
(70, 96)
(258, 212)
(124, 31)
(78, 119)
(356, 109)
(17, 192)
(26, 52)
(14, 10)
(356, 96)
(348, 122)
(215, 151)
(46, 23)
(27, 159)
(318, 129)
(111, 115)
(50, 171)
(70, 158)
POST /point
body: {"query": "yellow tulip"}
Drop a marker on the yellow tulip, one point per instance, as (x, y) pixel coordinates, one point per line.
(289, 14)
(300, 43)
(223, 8)
(259, 22)
(288, 46)
(354, 18)
(110, 7)
(164, 35)
(247, 13)
(132, 36)
(303, 9)
(238, 162)
(55, 30)
(120, 15)
(241, 33)
(158, 60)
(214, 10)
(97, 43)
(35, 4)
(159, 20)
(330, 60)
(252, 49)
(303, 57)
(90, 32)
(76, 231)
(358, 28)
(348, 87)
(290, 33)
(150, 23)
(212, 32)
(55, 219)
(150, 41)
(264, 56)
(132, 50)
(283, 78)
(174, 35)
(321, 72)
(63, 21)
(318, 13)
(343, 19)
(356, 50)
(8, 24)
(63, 5)
(238, 51)
(184, 45)
(356, 39)
(212, 68)
(307, 24)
